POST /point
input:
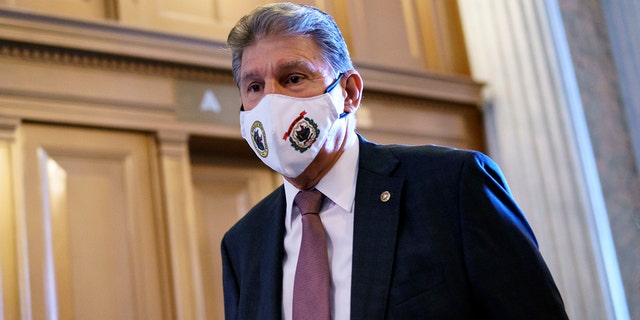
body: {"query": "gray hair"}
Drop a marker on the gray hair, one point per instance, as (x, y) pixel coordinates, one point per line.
(288, 19)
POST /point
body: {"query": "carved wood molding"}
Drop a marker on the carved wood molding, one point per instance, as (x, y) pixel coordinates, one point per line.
(423, 85)
(111, 37)
(392, 98)
(90, 59)
(113, 46)
(8, 126)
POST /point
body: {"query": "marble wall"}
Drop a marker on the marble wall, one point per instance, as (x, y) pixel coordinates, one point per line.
(609, 127)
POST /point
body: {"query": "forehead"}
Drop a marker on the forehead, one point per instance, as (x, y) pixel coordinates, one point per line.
(275, 53)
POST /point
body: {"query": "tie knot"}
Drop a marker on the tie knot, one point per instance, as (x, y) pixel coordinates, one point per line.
(309, 201)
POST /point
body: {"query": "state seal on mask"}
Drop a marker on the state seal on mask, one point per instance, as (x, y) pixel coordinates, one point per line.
(302, 133)
(259, 139)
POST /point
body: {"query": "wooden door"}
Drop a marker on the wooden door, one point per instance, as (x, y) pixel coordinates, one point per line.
(92, 225)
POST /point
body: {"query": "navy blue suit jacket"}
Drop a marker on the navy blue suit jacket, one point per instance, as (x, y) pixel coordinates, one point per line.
(450, 243)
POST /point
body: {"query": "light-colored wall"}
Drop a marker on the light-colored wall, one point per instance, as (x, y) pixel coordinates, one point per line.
(604, 41)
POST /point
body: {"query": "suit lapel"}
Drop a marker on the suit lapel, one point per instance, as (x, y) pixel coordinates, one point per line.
(377, 207)
(271, 257)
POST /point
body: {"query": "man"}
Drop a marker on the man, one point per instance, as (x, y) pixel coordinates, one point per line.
(411, 232)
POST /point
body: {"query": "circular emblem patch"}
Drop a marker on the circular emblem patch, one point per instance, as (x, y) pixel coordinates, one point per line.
(259, 139)
(303, 134)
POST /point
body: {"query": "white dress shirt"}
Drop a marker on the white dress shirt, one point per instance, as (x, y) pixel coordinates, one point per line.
(338, 185)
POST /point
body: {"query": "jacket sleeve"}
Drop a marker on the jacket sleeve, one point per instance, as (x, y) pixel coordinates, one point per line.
(509, 277)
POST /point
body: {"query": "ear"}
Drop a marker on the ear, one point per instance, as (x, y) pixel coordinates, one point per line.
(353, 89)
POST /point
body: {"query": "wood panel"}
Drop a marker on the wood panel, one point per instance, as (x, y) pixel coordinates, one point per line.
(222, 195)
(92, 225)
(211, 19)
(385, 118)
(416, 35)
(77, 9)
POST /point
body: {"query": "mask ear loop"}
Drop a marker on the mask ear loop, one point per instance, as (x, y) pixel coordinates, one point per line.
(333, 85)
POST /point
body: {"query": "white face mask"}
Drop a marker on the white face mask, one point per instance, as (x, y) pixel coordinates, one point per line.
(287, 133)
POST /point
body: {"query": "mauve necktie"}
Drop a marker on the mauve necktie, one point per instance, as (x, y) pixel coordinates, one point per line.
(312, 281)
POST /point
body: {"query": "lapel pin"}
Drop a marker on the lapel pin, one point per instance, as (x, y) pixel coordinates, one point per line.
(385, 196)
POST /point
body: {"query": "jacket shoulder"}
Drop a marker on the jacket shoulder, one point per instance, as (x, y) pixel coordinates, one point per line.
(435, 156)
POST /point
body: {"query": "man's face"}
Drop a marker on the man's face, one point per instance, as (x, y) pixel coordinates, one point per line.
(291, 66)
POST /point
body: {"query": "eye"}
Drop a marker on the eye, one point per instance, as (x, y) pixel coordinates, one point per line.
(254, 87)
(295, 79)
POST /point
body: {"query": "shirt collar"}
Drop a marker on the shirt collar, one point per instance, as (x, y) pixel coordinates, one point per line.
(343, 173)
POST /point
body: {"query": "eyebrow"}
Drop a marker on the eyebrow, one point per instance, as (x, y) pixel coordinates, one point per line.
(299, 63)
(247, 76)
(286, 66)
